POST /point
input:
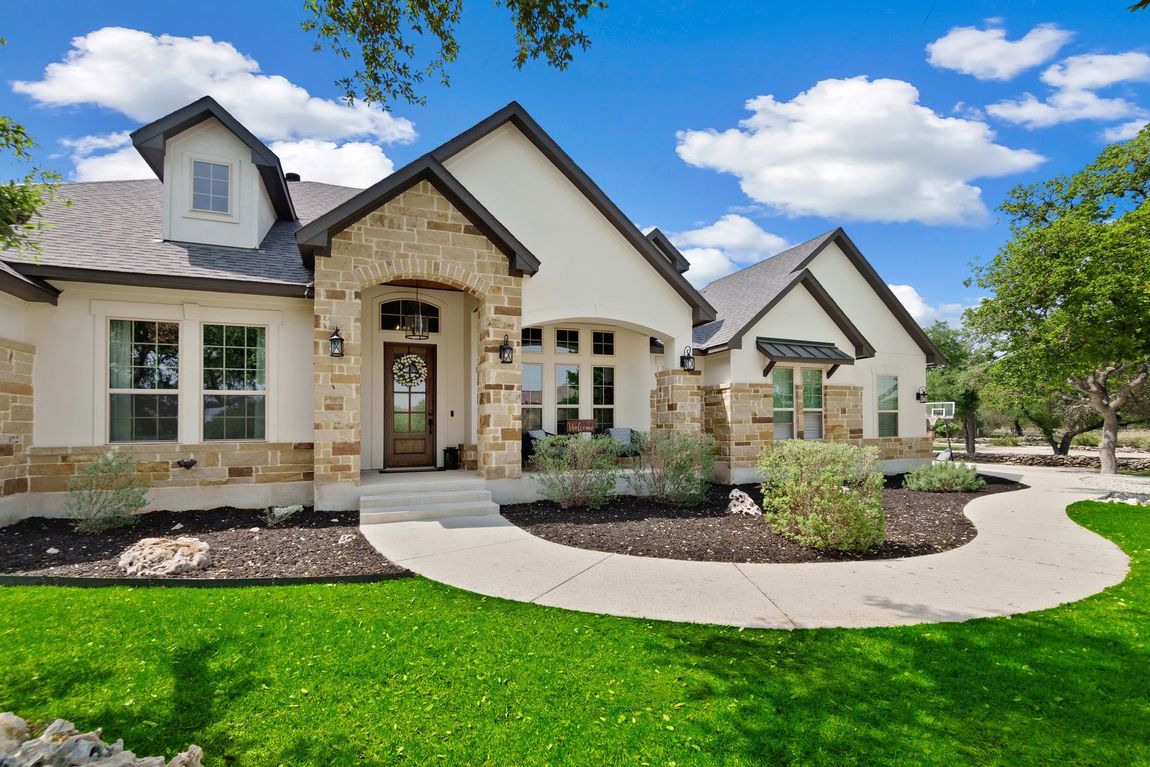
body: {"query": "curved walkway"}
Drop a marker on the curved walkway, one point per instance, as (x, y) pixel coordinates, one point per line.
(1027, 556)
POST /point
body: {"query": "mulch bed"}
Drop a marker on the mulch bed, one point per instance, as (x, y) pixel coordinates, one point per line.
(916, 524)
(308, 545)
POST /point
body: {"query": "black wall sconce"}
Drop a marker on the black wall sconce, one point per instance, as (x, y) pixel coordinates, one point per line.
(186, 463)
(335, 344)
(921, 394)
(687, 359)
(506, 353)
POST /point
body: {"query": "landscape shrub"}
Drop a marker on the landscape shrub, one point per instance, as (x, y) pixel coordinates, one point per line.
(1134, 443)
(1009, 441)
(1089, 439)
(673, 467)
(944, 477)
(106, 493)
(576, 472)
(824, 494)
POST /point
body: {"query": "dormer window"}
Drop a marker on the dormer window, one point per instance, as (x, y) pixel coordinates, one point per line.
(210, 186)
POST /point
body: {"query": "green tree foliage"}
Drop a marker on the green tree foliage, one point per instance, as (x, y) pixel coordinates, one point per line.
(22, 199)
(1070, 310)
(384, 34)
(961, 379)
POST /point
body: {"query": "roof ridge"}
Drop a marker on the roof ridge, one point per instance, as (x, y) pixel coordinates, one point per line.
(820, 238)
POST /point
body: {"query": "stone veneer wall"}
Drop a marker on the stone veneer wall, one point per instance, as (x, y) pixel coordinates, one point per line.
(419, 235)
(678, 400)
(218, 463)
(16, 361)
(842, 413)
(739, 417)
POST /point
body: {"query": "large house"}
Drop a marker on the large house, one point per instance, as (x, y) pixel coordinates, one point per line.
(293, 338)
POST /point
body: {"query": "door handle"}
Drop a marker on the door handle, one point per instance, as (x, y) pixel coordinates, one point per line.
(430, 419)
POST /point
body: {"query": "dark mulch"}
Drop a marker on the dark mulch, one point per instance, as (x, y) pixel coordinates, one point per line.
(307, 545)
(916, 523)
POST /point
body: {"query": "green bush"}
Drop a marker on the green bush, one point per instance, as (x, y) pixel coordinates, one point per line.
(1089, 439)
(1010, 441)
(944, 477)
(824, 494)
(106, 493)
(576, 472)
(1134, 443)
(673, 467)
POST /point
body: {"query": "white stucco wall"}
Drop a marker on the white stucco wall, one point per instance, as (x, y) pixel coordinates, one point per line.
(589, 271)
(70, 378)
(13, 318)
(251, 214)
(798, 316)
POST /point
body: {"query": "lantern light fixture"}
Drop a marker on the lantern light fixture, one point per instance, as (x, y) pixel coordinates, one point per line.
(921, 394)
(687, 359)
(417, 326)
(506, 353)
(335, 344)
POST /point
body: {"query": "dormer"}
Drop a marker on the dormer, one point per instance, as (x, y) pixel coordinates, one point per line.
(222, 185)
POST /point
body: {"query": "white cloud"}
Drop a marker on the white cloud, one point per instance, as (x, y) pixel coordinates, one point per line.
(988, 55)
(1074, 82)
(725, 246)
(122, 162)
(922, 312)
(858, 149)
(146, 76)
(355, 163)
(1123, 132)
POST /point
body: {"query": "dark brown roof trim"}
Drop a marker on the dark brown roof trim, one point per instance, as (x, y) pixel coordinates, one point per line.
(27, 288)
(517, 116)
(855, 256)
(151, 142)
(665, 246)
(175, 282)
(316, 236)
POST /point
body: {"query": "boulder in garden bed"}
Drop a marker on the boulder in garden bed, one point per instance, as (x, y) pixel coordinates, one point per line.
(165, 556)
(741, 503)
(62, 744)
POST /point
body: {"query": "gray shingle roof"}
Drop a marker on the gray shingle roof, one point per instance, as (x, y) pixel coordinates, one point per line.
(117, 226)
(740, 297)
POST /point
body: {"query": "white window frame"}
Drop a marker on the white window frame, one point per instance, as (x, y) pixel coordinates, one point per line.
(602, 355)
(578, 406)
(879, 411)
(232, 216)
(542, 395)
(109, 390)
(191, 317)
(595, 408)
(774, 404)
(233, 392)
(821, 410)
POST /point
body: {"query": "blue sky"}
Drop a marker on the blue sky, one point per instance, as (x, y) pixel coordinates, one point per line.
(852, 124)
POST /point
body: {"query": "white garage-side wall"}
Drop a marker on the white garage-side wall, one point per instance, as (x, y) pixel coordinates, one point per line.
(589, 271)
(71, 375)
(13, 318)
(251, 213)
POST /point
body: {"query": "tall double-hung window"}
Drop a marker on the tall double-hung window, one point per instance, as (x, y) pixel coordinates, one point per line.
(783, 402)
(235, 382)
(143, 381)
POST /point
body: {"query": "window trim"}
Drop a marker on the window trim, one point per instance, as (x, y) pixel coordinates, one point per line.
(595, 408)
(109, 391)
(542, 387)
(542, 340)
(204, 393)
(879, 411)
(821, 410)
(190, 211)
(578, 406)
(578, 342)
(776, 409)
(610, 333)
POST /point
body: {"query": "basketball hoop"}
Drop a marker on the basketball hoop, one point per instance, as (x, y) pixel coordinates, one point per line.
(940, 411)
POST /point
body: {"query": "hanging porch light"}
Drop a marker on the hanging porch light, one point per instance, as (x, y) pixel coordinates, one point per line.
(417, 325)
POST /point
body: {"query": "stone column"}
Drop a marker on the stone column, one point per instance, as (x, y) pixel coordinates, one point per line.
(499, 434)
(679, 400)
(16, 415)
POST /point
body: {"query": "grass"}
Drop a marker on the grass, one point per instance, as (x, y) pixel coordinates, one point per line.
(412, 672)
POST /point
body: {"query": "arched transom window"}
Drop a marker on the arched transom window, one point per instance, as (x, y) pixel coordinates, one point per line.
(396, 315)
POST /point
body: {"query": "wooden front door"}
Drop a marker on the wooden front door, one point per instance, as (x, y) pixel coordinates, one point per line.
(409, 426)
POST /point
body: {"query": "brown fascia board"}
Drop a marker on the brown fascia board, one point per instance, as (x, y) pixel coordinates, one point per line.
(174, 282)
(315, 238)
(28, 289)
(668, 249)
(855, 256)
(151, 142)
(515, 114)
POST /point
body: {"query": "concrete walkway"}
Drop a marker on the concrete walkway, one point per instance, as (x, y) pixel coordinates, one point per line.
(1027, 556)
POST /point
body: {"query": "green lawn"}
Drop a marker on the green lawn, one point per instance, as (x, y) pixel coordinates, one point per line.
(411, 672)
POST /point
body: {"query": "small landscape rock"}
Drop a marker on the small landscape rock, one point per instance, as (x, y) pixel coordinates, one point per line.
(53, 551)
(345, 539)
(255, 530)
(178, 526)
(62, 744)
(277, 514)
(165, 556)
(741, 503)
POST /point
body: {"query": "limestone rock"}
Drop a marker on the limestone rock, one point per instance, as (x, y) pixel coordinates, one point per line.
(63, 745)
(280, 514)
(165, 556)
(741, 503)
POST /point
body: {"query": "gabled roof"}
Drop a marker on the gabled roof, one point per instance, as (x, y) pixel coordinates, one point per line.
(315, 238)
(677, 259)
(516, 115)
(151, 142)
(743, 298)
(112, 232)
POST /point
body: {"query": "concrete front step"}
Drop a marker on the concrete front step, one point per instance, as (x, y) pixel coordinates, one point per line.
(375, 515)
(401, 500)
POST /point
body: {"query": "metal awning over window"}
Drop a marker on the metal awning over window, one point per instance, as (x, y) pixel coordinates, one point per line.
(805, 352)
